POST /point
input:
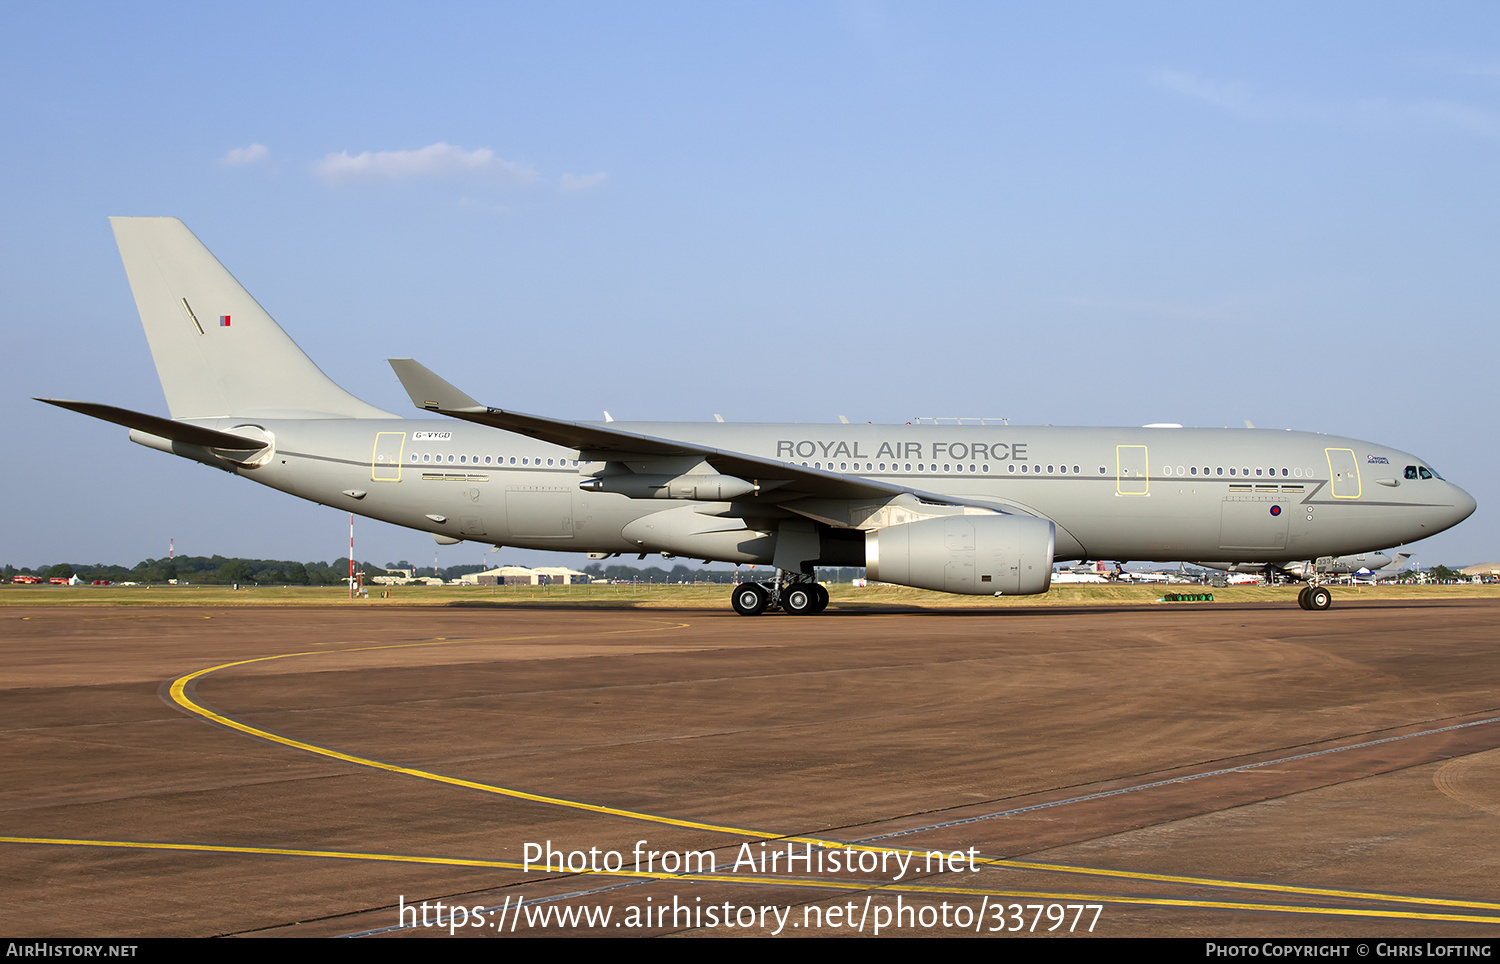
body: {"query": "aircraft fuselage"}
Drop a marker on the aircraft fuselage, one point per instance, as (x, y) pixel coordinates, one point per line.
(1150, 494)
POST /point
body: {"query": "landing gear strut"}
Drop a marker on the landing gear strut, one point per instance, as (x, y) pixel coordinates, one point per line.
(793, 593)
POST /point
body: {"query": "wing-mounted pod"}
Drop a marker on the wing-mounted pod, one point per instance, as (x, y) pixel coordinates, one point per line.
(667, 479)
(975, 555)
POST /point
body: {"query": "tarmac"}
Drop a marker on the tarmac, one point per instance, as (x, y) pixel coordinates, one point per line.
(1187, 770)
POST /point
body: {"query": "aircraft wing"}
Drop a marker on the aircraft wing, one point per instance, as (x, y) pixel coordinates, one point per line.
(779, 481)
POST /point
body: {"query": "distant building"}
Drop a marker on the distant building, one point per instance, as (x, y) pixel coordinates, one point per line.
(522, 576)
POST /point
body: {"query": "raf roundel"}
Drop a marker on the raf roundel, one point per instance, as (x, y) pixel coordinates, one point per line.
(1276, 510)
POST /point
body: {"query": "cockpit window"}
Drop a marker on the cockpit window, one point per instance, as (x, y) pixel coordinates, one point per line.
(1411, 471)
(1426, 472)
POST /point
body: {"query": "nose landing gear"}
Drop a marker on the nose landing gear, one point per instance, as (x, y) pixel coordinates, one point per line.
(1315, 598)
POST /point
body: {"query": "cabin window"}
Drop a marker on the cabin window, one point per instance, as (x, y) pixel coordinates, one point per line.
(1012, 467)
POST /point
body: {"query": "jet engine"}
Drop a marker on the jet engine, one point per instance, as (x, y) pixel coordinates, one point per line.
(979, 555)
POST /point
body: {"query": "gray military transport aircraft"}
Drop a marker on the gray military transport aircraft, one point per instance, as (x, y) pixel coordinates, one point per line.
(1351, 565)
(975, 509)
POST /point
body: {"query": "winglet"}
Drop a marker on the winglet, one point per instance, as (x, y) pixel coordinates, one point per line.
(429, 391)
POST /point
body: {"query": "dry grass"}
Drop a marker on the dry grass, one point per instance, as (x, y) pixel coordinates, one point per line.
(678, 597)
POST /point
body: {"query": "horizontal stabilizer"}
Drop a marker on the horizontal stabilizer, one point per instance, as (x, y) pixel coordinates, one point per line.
(162, 427)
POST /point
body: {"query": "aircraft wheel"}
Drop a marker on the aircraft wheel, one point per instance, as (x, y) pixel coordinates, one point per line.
(1319, 599)
(820, 603)
(750, 599)
(1302, 596)
(799, 600)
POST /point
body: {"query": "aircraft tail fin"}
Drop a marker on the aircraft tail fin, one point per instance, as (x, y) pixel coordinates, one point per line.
(217, 352)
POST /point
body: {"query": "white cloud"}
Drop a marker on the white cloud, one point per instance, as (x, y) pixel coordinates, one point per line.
(1231, 97)
(245, 155)
(1386, 114)
(1380, 114)
(581, 182)
(433, 161)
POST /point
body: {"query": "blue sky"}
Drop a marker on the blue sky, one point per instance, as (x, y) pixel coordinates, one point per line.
(1068, 214)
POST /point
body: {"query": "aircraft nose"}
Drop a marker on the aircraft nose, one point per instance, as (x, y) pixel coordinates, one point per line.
(1463, 505)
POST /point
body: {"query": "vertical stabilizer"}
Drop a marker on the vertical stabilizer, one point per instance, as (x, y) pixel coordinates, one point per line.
(217, 352)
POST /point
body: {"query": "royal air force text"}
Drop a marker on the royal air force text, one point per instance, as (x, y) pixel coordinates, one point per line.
(899, 451)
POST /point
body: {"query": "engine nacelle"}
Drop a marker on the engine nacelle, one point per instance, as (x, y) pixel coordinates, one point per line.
(979, 555)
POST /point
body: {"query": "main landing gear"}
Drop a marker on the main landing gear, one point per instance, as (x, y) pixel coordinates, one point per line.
(1315, 598)
(792, 593)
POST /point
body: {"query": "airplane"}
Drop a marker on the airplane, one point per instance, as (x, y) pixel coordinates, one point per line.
(969, 509)
(1356, 564)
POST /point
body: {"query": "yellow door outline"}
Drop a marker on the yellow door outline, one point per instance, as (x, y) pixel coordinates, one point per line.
(1350, 470)
(385, 465)
(1132, 470)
